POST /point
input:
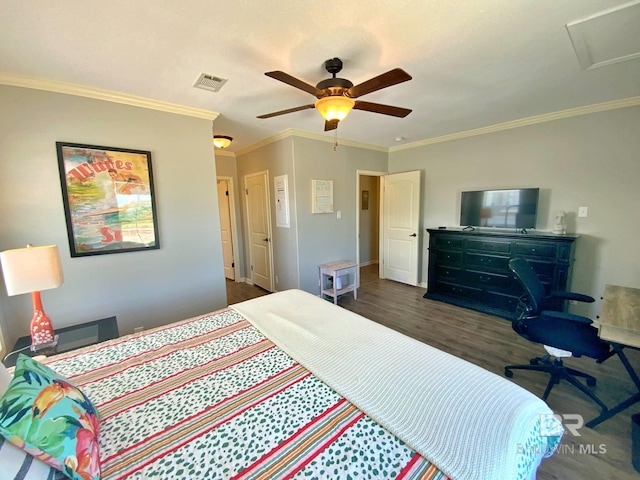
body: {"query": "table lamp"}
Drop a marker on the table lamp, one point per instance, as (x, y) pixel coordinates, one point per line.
(30, 270)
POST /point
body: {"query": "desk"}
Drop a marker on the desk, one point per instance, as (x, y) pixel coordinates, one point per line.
(343, 277)
(620, 326)
(69, 338)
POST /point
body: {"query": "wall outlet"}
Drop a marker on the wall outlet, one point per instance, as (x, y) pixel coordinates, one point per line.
(137, 329)
(277, 280)
(582, 211)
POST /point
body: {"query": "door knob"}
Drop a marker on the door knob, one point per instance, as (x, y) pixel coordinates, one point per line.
(413, 235)
(265, 239)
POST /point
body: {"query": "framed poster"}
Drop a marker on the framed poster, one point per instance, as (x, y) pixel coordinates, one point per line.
(108, 199)
(322, 196)
(365, 200)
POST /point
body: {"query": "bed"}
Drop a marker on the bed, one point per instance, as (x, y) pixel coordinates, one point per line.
(282, 386)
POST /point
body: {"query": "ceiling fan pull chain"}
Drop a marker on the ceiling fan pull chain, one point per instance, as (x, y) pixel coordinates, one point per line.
(335, 139)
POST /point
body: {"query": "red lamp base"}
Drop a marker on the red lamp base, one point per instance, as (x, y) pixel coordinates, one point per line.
(42, 335)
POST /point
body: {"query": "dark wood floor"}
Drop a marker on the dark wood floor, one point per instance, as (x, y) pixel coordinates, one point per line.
(603, 452)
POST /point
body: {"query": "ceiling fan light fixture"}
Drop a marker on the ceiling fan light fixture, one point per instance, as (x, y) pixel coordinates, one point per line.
(335, 107)
(221, 141)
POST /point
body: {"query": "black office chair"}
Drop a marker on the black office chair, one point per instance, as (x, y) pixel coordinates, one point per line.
(562, 334)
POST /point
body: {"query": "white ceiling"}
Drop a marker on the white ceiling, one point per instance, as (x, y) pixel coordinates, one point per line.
(474, 63)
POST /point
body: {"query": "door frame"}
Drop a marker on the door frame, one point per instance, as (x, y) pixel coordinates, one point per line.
(380, 175)
(265, 173)
(234, 225)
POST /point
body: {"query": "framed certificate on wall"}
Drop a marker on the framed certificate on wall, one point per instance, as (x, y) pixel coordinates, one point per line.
(322, 196)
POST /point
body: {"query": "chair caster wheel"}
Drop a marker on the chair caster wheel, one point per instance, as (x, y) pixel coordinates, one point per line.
(591, 382)
(508, 373)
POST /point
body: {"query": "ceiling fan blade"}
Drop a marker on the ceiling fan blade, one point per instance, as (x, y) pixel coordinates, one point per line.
(384, 109)
(392, 77)
(289, 110)
(330, 125)
(294, 82)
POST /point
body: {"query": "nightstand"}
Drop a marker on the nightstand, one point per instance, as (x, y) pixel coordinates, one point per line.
(69, 338)
(337, 278)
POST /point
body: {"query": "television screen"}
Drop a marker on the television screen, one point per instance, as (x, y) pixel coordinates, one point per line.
(515, 208)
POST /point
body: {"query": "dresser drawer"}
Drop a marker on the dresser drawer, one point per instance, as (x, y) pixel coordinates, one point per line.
(489, 246)
(488, 281)
(449, 243)
(536, 250)
(444, 257)
(545, 270)
(482, 262)
(449, 274)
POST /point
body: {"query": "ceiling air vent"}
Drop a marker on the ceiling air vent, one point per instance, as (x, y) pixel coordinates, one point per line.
(210, 82)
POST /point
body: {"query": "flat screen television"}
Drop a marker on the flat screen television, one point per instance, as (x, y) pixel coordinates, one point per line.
(515, 208)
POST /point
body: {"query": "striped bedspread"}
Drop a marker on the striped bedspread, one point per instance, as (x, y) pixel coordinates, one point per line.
(212, 397)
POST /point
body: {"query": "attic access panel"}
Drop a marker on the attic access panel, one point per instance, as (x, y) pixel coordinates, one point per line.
(607, 37)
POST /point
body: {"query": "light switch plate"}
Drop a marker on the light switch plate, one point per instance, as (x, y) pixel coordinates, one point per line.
(582, 211)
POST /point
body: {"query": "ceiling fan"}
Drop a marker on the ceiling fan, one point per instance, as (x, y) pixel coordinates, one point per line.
(335, 95)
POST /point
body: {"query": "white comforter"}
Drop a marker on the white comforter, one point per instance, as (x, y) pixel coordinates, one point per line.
(470, 422)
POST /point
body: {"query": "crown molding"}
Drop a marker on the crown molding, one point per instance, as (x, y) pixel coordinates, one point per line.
(223, 153)
(100, 94)
(523, 122)
(262, 143)
(349, 143)
(292, 132)
(142, 102)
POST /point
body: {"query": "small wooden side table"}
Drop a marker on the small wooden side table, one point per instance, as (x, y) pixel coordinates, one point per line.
(343, 277)
(620, 326)
(69, 338)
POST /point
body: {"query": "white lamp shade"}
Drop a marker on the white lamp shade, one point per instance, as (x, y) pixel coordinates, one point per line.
(31, 269)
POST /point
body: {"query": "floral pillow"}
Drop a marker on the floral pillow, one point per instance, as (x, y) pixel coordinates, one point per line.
(51, 419)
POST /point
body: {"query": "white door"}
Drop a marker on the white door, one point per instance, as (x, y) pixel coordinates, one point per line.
(400, 226)
(259, 227)
(225, 227)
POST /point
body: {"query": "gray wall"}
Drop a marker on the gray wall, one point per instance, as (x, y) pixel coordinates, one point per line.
(277, 158)
(322, 236)
(313, 239)
(589, 160)
(181, 279)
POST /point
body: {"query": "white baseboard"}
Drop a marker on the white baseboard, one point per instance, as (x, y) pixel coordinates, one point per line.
(370, 262)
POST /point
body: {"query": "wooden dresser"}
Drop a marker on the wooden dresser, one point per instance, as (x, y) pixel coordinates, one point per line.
(470, 268)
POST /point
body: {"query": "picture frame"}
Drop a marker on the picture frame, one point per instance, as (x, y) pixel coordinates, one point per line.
(365, 200)
(109, 199)
(321, 196)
